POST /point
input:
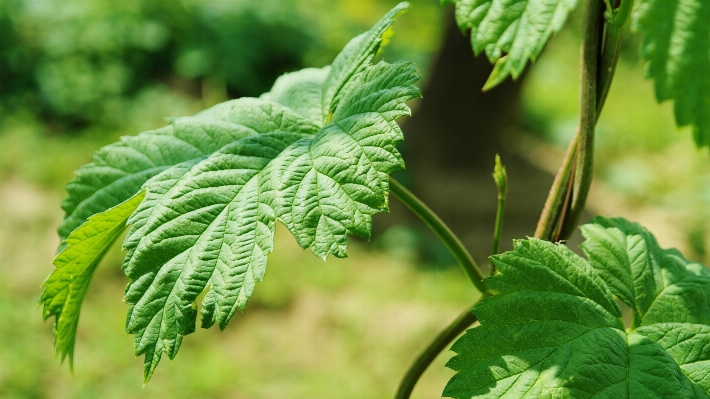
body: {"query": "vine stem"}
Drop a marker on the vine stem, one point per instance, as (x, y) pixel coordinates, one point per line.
(551, 213)
(427, 356)
(589, 70)
(569, 191)
(466, 318)
(463, 257)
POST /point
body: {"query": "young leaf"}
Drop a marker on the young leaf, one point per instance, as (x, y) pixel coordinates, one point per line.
(677, 47)
(65, 288)
(314, 153)
(554, 329)
(511, 32)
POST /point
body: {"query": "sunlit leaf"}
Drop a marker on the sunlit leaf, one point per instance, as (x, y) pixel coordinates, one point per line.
(555, 331)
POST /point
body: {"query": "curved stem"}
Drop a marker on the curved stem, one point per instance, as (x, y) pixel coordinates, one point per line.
(566, 205)
(444, 233)
(427, 356)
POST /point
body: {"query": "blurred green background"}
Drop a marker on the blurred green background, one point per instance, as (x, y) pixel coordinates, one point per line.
(78, 74)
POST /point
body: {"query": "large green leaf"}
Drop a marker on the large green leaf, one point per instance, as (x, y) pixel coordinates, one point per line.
(555, 331)
(212, 222)
(314, 153)
(65, 288)
(511, 31)
(676, 45)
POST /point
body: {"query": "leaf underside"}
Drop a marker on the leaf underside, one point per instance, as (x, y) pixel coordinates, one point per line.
(554, 329)
(313, 153)
(676, 46)
(511, 32)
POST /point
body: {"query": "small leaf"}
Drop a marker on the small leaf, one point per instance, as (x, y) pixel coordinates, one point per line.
(677, 47)
(65, 288)
(554, 330)
(511, 32)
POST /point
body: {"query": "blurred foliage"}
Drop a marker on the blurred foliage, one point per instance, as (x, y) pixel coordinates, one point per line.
(99, 69)
(79, 62)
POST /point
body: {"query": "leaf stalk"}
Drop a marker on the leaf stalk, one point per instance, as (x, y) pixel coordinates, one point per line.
(427, 356)
(452, 242)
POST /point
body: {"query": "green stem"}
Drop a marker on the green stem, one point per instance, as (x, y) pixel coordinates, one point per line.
(612, 47)
(497, 230)
(500, 176)
(589, 72)
(427, 356)
(607, 67)
(551, 213)
(569, 191)
(463, 257)
(566, 205)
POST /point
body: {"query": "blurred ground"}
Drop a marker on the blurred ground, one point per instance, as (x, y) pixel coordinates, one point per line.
(344, 328)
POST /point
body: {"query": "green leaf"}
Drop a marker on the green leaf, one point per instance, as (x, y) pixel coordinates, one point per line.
(302, 92)
(511, 31)
(676, 45)
(212, 222)
(65, 288)
(554, 329)
(314, 153)
(659, 285)
(119, 170)
(689, 346)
